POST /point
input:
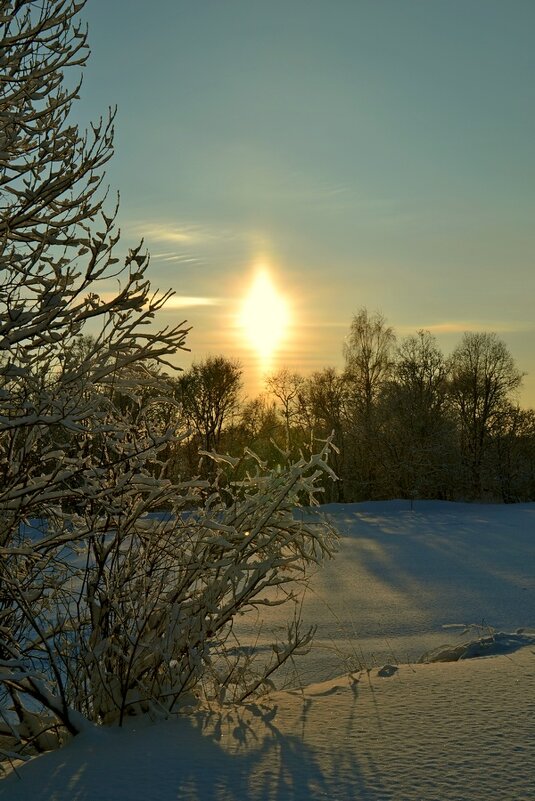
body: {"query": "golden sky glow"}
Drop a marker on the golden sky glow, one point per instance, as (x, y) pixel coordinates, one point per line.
(264, 317)
(399, 183)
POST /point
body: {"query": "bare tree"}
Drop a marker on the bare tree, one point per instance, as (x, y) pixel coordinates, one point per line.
(209, 395)
(510, 463)
(369, 357)
(287, 388)
(483, 378)
(420, 433)
(325, 399)
(258, 428)
(368, 352)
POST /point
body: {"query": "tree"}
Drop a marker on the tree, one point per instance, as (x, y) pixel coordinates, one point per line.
(53, 262)
(107, 606)
(287, 388)
(483, 376)
(209, 395)
(325, 403)
(257, 428)
(510, 472)
(419, 430)
(369, 357)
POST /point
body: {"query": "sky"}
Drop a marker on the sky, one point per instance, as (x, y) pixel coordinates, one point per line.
(357, 153)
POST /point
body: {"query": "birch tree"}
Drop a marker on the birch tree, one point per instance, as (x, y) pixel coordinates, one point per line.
(287, 388)
(368, 352)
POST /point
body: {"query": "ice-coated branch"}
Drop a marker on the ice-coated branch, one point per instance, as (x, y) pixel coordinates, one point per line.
(119, 583)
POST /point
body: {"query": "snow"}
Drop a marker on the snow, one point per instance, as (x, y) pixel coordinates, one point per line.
(365, 719)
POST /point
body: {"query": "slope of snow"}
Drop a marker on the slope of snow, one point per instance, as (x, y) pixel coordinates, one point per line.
(392, 728)
(407, 582)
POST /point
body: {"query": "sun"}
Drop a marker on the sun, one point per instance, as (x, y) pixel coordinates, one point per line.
(264, 317)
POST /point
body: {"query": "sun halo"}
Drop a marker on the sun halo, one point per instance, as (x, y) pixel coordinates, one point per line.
(264, 317)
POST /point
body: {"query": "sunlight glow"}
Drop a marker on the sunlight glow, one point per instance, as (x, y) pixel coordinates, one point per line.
(264, 317)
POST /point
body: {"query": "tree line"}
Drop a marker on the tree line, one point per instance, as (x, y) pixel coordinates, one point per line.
(408, 422)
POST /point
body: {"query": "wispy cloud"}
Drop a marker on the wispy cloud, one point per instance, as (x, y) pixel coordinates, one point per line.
(175, 301)
(179, 258)
(181, 233)
(187, 301)
(162, 232)
(472, 326)
(187, 244)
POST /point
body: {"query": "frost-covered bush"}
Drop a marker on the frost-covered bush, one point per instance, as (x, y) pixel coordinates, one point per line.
(107, 615)
(106, 607)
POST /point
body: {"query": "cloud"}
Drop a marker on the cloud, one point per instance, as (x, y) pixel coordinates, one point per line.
(472, 326)
(187, 302)
(174, 302)
(171, 256)
(162, 232)
(187, 233)
(186, 244)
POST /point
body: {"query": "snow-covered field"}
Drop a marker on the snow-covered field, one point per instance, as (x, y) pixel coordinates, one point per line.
(365, 720)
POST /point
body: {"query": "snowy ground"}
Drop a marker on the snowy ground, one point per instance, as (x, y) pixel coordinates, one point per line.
(402, 584)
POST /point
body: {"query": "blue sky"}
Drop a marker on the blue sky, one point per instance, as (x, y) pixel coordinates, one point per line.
(376, 154)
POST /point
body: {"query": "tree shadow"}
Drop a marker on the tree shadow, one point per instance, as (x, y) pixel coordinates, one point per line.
(283, 753)
(237, 753)
(406, 574)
